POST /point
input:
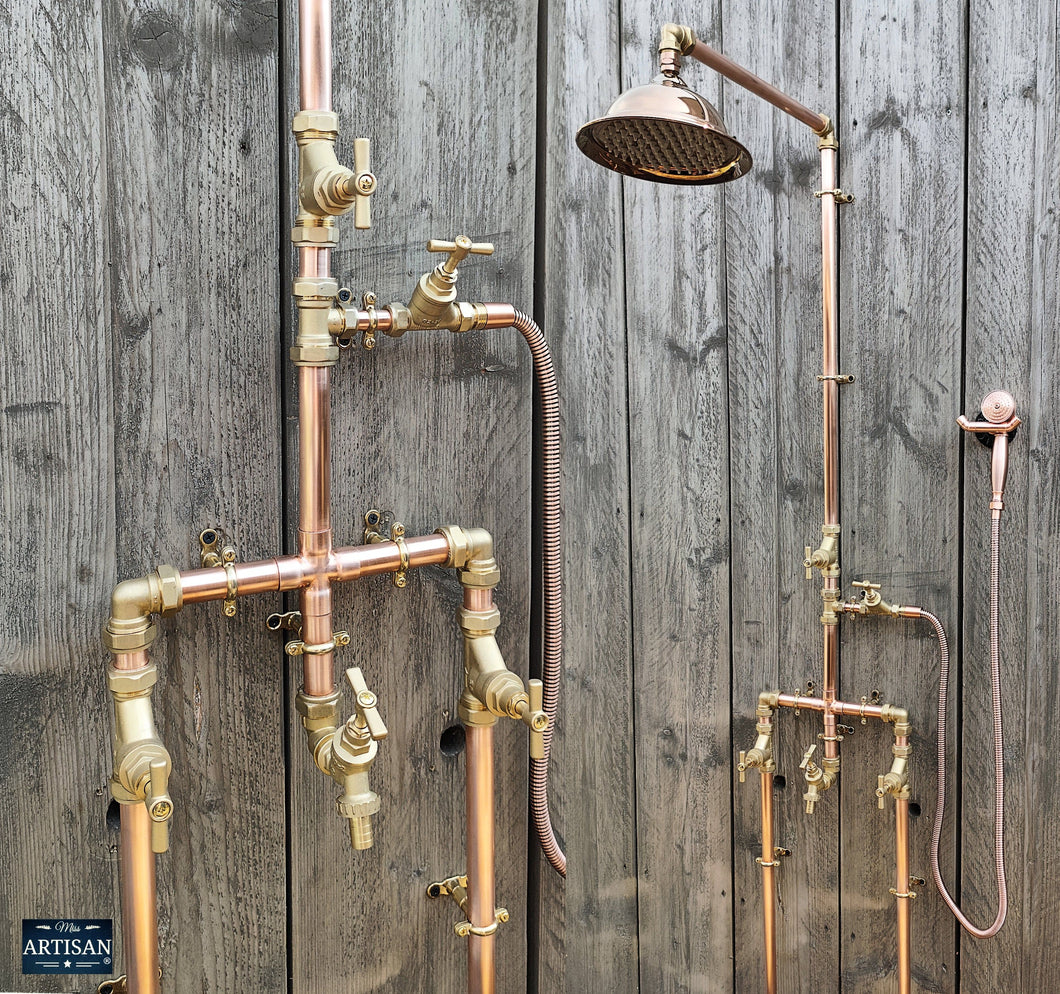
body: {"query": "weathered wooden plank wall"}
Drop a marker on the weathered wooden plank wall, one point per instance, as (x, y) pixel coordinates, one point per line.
(144, 146)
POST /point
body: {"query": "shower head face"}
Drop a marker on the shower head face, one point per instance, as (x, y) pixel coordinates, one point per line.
(666, 133)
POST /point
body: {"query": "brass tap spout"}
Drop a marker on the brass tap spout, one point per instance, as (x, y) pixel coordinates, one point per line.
(818, 778)
(872, 602)
(346, 754)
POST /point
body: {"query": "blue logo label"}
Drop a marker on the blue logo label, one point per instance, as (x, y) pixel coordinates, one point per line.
(66, 945)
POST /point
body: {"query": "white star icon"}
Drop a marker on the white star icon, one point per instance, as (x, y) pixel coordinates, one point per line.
(67, 964)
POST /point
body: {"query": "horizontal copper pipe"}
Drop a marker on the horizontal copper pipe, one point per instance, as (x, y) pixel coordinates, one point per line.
(702, 52)
(836, 707)
(385, 557)
(294, 572)
(499, 315)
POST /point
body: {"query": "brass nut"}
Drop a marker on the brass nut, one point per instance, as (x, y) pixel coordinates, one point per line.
(315, 120)
(360, 806)
(132, 641)
(481, 578)
(170, 590)
(314, 355)
(478, 622)
(317, 707)
(304, 286)
(318, 236)
(132, 682)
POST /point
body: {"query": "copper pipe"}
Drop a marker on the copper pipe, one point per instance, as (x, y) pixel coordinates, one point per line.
(830, 329)
(139, 914)
(314, 521)
(478, 598)
(901, 884)
(886, 712)
(314, 54)
(769, 883)
(702, 52)
(481, 902)
(385, 557)
(314, 263)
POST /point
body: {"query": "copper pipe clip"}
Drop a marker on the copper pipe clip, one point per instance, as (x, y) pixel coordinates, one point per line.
(464, 929)
(907, 895)
(778, 852)
(397, 536)
(231, 586)
(841, 378)
(296, 647)
(839, 195)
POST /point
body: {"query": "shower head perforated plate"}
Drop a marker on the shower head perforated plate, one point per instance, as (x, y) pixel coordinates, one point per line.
(666, 133)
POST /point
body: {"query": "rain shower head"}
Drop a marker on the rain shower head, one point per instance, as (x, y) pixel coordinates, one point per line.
(666, 133)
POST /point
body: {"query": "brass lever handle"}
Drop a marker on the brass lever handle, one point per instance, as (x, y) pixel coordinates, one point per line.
(366, 704)
(458, 250)
(159, 805)
(364, 183)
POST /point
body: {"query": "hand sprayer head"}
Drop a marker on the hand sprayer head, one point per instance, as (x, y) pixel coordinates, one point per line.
(666, 133)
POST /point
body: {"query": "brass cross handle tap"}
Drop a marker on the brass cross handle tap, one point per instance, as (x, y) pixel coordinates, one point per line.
(366, 704)
(458, 250)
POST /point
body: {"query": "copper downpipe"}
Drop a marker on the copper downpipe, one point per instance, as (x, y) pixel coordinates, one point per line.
(769, 883)
(903, 897)
(139, 901)
(139, 894)
(552, 570)
(999, 758)
(314, 54)
(481, 896)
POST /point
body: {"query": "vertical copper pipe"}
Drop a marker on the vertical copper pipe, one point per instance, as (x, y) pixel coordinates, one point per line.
(901, 883)
(139, 901)
(830, 309)
(314, 54)
(830, 406)
(481, 902)
(314, 519)
(769, 884)
(139, 894)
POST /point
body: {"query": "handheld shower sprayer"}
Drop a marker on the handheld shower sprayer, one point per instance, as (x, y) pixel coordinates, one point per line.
(999, 410)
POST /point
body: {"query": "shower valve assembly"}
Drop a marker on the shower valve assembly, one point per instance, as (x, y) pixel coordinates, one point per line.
(666, 133)
(345, 751)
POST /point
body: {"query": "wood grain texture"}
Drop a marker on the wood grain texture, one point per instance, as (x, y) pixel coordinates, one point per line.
(193, 236)
(436, 429)
(679, 485)
(773, 292)
(56, 478)
(1012, 267)
(902, 107)
(581, 298)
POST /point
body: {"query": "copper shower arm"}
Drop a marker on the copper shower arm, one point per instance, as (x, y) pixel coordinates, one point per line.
(679, 38)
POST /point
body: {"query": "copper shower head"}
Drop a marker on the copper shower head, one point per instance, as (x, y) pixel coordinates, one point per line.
(666, 133)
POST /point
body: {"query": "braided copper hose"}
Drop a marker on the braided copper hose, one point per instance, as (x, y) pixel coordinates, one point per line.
(552, 551)
(999, 769)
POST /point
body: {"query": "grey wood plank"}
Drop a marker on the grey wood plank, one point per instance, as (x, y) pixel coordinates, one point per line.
(56, 478)
(902, 107)
(773, 292)
(192, 140)
(680, 551)
(1010, 326)
(435, 428)
(581, 297)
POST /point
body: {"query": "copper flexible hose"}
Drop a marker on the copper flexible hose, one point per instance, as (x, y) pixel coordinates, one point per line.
(999, 770)
(552, 571)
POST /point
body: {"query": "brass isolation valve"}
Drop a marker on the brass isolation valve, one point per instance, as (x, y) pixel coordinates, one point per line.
(761, 755)
(354, 750)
